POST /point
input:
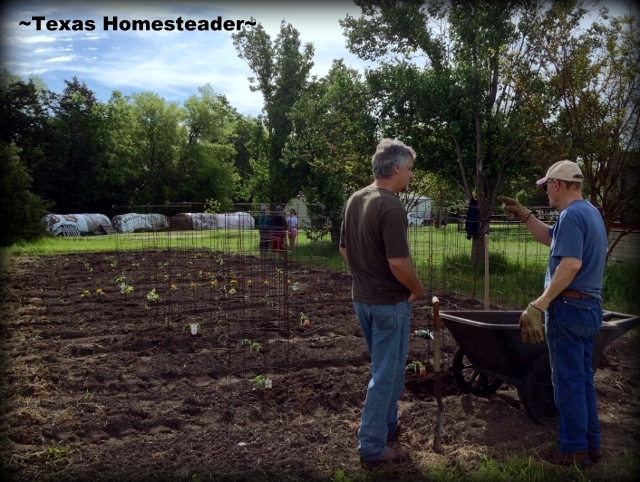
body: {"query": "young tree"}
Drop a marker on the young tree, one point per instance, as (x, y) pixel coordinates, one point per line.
(282, 72)
(456, 108)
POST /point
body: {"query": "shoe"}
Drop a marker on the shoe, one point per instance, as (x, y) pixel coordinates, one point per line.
(558, 458)
(393, 455)
(594, 455)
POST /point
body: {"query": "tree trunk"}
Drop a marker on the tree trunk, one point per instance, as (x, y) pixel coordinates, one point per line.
(477, 248)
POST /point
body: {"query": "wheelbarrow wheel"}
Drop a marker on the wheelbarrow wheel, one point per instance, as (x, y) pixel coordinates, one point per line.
(536, 392)
(470, 380)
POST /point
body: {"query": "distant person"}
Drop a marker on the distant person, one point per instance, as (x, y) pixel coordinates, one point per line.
(278, 231)
(572, 307)
(264, 228)
(292, 227)
(373, 242)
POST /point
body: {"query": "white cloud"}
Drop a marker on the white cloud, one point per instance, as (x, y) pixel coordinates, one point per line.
(91, 48)
(30, 40)
(41, 50)
(64, 58)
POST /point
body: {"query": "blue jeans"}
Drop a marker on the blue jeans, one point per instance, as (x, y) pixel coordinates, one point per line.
(386, 330)
(572, 326)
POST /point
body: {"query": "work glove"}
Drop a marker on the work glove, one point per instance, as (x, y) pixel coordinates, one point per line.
(514, 208)
(531, 325)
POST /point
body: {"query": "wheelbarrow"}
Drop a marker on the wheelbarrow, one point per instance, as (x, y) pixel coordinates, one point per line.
(491, 352)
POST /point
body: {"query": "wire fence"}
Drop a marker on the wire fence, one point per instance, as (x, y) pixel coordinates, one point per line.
(213, 276)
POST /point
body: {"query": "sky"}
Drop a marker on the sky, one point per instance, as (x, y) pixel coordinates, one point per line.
(172, 64)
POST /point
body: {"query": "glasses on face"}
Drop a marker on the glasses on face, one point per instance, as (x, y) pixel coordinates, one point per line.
(545, 186)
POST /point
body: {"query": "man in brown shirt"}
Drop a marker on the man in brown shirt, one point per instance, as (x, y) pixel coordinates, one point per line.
(373, 242)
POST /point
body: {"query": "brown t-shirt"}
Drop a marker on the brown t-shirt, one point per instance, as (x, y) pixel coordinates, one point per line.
(374, 229)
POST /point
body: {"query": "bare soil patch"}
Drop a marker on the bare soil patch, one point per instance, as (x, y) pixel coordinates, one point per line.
(104, 388)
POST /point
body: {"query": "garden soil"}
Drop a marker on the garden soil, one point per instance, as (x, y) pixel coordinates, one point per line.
(102, 386)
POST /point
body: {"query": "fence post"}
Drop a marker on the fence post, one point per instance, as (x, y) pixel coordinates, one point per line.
(486, 272)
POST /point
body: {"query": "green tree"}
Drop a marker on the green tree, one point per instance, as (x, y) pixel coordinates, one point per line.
(74, 151)
(457, 107)
(281, 73)
(334, 137)
(159, 137)
(206, 167)
(25, 121)
(584, 94)
(21, 210)
(120, 173)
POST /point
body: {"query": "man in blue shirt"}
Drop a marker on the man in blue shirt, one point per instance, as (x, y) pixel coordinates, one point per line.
(572, 305)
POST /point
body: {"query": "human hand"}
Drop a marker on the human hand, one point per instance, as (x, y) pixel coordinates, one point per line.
(531, 324)
(514, 208)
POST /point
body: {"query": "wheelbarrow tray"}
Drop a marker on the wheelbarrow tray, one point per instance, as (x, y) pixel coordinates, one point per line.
(491, 340)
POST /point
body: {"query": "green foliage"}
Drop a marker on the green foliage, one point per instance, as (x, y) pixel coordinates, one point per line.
(254, 346)
(582, 95)
(21, 210)
(621, 287)
(282, 70)
(414, 366)
(152, 295)
(334, 135)
(339, 475)
(259, 382)
(457, 109)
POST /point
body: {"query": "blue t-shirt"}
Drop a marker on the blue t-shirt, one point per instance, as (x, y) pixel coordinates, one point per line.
(580, 233)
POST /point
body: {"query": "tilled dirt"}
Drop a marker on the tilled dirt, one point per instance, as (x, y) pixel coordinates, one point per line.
(113, 386)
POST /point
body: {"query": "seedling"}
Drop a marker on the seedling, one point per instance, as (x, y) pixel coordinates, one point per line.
(85, 294)
(259, 382)
(152, 295)
(88, 266)
(88, 395)
(253, 345)
(416, 366)
(304, 320)
(125, 288)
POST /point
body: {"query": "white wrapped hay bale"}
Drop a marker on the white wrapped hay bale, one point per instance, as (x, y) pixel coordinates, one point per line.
(86, 223)
(131, 222)
(238, 220)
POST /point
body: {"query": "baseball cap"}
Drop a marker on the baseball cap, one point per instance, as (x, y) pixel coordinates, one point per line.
(564, 170)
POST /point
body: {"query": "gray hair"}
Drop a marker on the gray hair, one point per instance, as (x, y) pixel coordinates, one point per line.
(389, 154)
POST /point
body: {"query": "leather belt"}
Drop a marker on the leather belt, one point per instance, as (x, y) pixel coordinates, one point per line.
(574, 294)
